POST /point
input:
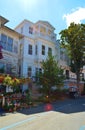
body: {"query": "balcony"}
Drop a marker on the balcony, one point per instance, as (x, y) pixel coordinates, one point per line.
(51, 38)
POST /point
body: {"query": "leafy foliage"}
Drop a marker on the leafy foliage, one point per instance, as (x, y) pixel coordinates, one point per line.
(52, 75)
(73, 39)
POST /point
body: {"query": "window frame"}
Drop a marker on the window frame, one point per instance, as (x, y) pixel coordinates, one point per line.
(29, 71)
(4, 42)
(43, 49)
(30, 49)
(36, 49)
(50, 50)
(30, 30)
(9, 44)
(15, 48)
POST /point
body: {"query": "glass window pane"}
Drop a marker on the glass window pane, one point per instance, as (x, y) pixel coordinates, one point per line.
(29, 71)
(8, 68)
(43, 50)
(49, 50)
(36, 49)
(3, 41)
(30, 49)
(30, 30)
(10, 44)
(16, 47)
(2, 67)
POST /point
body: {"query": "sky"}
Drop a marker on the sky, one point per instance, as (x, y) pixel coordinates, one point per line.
(59, 13)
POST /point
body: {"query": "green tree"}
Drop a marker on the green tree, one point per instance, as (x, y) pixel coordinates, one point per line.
(52, 75)
(73, 39)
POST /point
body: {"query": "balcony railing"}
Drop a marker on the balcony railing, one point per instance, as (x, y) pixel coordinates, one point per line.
(47, 37)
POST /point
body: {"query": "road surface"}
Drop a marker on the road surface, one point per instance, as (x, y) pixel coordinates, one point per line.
(62, 115)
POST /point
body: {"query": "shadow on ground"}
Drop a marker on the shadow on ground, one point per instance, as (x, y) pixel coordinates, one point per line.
(66, 106)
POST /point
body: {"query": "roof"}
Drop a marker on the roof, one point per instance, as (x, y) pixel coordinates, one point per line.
(3, 20)
(13, 31)
(45, 23)
(40, 21)
(21, 23)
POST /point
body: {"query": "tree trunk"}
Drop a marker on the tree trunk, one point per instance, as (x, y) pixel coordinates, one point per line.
(78, 79)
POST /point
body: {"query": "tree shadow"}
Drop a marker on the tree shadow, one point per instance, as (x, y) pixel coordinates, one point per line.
(67, 107)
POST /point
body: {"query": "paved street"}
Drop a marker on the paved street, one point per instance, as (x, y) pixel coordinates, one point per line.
(63, 115)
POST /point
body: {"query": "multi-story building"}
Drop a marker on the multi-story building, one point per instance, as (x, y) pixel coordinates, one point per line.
(39, 39)
(9, 40)
(27, 46)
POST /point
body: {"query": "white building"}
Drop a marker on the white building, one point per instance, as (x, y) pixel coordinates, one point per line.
(9, 40)
(27, 46)
(39, 39)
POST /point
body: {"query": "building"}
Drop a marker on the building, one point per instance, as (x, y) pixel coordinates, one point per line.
(39, 39)
(25, 47)
(10, 42)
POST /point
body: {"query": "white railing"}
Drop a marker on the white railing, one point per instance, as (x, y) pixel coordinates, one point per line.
(47, 37)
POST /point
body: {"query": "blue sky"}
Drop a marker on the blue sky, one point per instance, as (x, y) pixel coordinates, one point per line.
(60, 13)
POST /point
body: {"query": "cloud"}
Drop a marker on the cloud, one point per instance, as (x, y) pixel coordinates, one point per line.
(75, 16)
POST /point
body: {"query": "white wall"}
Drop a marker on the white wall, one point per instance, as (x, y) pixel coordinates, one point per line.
(34, 60)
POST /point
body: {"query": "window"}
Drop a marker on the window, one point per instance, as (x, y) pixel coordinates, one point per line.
(9, 44)
(1, 55)
(30, 30)
(6, 42)
(2, 67)
(8, 68)
(36, 70)
(36, 50)
(29, 71)
(15, 47)
(30, 49)
(40, 70)
(43, 50)
(49, 50)
(3, 41)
